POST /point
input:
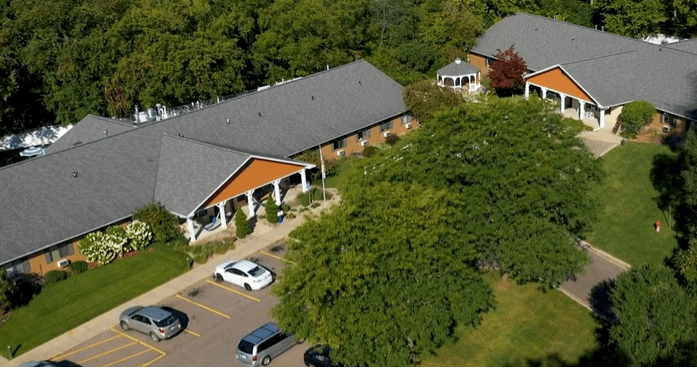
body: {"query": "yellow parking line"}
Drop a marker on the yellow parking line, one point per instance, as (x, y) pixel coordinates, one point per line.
(192, 332)
(154, 360)
(106, 353)
(203, 306)
(63, 356)
(136, 340)
(128, 357)
(233, 290)
(275, 256)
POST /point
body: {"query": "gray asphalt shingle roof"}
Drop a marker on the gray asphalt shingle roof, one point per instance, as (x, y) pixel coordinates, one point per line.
(90, 129)
(43, 204)
(456, 68)
(613, 69)
(189, 172)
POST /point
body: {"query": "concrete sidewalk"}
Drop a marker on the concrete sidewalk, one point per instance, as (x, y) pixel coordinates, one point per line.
(88, 330)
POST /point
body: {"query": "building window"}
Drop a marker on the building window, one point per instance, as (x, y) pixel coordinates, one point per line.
(385, 126)
(363, 135)
(407, 118)
(664, 118)
(338, 144)
(673, 121)
(57, 252)
(17, 267)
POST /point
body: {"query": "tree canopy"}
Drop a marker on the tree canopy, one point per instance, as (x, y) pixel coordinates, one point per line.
(388, 273)
(656, 318)
(507, 71)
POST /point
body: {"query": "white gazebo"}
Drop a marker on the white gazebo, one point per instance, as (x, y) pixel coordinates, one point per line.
(458, 75)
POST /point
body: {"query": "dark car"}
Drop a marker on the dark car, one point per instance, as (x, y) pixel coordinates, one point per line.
(318, 356)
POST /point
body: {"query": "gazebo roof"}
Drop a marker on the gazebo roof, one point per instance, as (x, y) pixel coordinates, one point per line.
(457, 68)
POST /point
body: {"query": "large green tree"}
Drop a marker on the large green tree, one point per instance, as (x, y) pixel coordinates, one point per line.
(523, 177)
(656, 319)
(382, 278)
(633, 18)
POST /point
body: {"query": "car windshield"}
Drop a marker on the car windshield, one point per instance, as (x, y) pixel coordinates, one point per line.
(256, 271)
(246, 346)
(165, 322)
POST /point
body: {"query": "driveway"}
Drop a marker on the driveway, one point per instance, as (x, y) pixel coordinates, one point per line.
(591, 287)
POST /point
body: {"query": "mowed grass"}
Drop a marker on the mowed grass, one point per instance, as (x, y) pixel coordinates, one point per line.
(625, 225)
(60, 307)
(528, 327)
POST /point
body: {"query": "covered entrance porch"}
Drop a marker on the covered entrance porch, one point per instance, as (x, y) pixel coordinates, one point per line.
(588, 112)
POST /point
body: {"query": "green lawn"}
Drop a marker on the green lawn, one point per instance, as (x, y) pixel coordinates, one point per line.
(69, 303)
(528, 327)
(331, 181)
(625, 225)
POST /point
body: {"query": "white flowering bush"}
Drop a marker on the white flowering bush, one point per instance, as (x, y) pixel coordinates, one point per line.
(101, 247)
(138, 234)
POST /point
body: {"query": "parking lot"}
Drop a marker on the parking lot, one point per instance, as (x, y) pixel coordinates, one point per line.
(214, 315)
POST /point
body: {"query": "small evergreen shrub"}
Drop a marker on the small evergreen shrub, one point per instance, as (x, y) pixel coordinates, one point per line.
(54, 276)
(315, 205)
(635, 115)
(369, 151)
(164, 225)
(242, 228)
(285, 207)
(271, 210)
(78, 267)
(317, 194)
(303, 199)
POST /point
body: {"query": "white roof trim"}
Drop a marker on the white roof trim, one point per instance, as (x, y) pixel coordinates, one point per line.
(569, 75)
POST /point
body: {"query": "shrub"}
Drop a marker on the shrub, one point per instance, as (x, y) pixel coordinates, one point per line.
(78, 267)
(317, 194)
(54, 276)
(369, 151)
(242, 228)
(163, 224)
(139, 235)
(271, 210)
(303, 199)
(101, 247)
(391, 139)
(635, 115)
(285, 207)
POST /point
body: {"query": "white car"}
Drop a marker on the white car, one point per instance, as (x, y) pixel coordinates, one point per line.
(244, 273)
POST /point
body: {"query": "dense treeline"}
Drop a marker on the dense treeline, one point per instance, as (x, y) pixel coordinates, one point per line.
(63, 59)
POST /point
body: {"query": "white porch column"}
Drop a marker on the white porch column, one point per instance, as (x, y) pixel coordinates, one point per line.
(527, 90)
(250, 203)
(602, 118)
(544, 92)
(563, 103)
(221, 209)
(581, 107)
(277, 191)
(303, 180)
(192, 231)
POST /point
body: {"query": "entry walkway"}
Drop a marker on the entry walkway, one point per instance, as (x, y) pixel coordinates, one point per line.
(600, 141)
(252, 244)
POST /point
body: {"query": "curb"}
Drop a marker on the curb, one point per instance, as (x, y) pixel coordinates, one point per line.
(605, 255)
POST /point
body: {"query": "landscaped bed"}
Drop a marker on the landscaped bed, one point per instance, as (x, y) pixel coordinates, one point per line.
(630, 207)
(67, 304)
(528, 327)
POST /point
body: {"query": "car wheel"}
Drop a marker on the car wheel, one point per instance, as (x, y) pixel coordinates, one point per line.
(246, 286)
(124, 325)
(154, 337)
(266, 361)
(218, 277)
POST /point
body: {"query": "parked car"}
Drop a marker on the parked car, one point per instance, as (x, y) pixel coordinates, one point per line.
(156, 322)
(262, 345)
(318, 356)
(244, 273)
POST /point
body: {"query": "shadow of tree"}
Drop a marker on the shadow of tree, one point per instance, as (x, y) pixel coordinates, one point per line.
(667, 180)
(600, 300)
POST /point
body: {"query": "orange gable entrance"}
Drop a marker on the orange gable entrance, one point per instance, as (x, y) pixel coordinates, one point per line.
(559, 81)
(254, 174)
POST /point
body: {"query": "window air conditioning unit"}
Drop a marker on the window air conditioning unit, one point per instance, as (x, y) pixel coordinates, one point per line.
(364, 143)
(63, 263)
(408, 125)
(387, 134)
(666, 129)
(340, 153)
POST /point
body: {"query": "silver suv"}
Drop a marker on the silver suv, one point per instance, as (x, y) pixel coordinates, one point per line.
(156, 322)
(262, 345)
